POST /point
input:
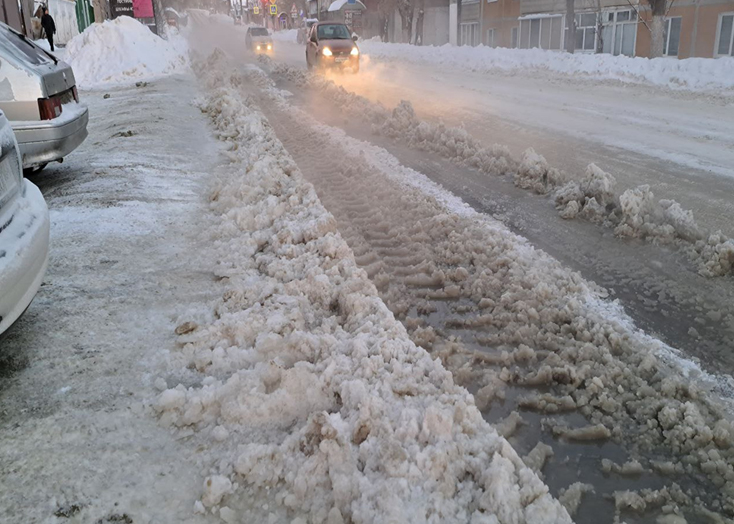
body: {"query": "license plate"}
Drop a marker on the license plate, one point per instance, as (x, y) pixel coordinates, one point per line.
(340, 59)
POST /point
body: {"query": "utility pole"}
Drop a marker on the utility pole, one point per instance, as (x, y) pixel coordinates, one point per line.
(160, 19)
(570, 41)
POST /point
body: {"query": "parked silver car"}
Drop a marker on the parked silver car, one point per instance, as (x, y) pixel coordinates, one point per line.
(38, 95)
(24, 227)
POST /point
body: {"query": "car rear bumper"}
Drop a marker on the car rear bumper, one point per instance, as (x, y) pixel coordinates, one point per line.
(24, 242)
(47, 141)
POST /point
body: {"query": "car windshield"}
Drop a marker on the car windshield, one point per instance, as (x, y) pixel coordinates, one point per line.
(333, 32)
(259, 31)
(21, 48)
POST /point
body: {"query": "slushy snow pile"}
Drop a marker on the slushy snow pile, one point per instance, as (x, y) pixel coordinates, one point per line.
(694, 74)
(316, 404)
(123, 51)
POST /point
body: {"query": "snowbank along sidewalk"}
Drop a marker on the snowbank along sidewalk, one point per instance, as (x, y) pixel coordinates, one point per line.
(312, 400)
(691, 74)
(124, 51)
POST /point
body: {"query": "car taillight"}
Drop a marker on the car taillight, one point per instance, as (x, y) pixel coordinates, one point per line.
(74, 92)
(49, 108)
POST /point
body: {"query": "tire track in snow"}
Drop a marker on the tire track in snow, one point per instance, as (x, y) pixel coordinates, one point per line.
(447, 281)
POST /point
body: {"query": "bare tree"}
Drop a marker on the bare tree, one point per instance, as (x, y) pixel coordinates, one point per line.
(570, 43)
(385, 9)
(659, 9)
(419, 22)
(405, 8)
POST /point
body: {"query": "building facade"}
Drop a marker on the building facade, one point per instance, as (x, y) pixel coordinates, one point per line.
(693, 28)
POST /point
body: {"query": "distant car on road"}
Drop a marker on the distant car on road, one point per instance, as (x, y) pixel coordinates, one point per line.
(40, 99)
(331, 45)
(258, 40)
(24, 226)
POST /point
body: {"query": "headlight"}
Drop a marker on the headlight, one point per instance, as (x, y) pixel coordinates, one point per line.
(270, 46)
(326, 51)
(258, 48)
(355, 52)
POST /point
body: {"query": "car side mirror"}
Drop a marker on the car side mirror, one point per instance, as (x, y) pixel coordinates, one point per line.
(355, 37)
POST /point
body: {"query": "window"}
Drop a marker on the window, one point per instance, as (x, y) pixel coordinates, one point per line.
(725, 45)
(619, 32)
(671, 37)
(490, 38)
(513, 38)
(586, 32)
(543, 32)
(21, 49)
(333, 32)
(470, 34)
(535, 33)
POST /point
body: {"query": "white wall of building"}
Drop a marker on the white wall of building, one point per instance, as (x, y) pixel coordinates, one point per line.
(436, 26)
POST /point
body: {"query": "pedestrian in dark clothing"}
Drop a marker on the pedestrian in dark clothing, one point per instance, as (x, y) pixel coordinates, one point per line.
(49, 27)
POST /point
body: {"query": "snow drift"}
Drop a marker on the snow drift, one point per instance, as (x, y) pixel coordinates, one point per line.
(123, 51)
(314, 400)
(692, 74)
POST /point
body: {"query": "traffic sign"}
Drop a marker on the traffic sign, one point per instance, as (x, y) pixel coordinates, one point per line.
(255, 10)
(273, 2)
(274, 10)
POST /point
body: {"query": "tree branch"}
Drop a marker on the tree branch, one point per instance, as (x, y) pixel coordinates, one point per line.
(638, 15)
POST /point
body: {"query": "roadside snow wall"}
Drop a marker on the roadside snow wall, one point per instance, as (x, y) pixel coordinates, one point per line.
(313, 401)
(124, 51)
(691, 74)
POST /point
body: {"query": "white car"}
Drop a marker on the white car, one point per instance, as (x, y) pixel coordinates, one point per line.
(24, 228)
(258, 40)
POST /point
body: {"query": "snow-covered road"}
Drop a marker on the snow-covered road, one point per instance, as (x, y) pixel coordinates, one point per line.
(681, 144)
(560, 119)
(658, 285)
(284, 324)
